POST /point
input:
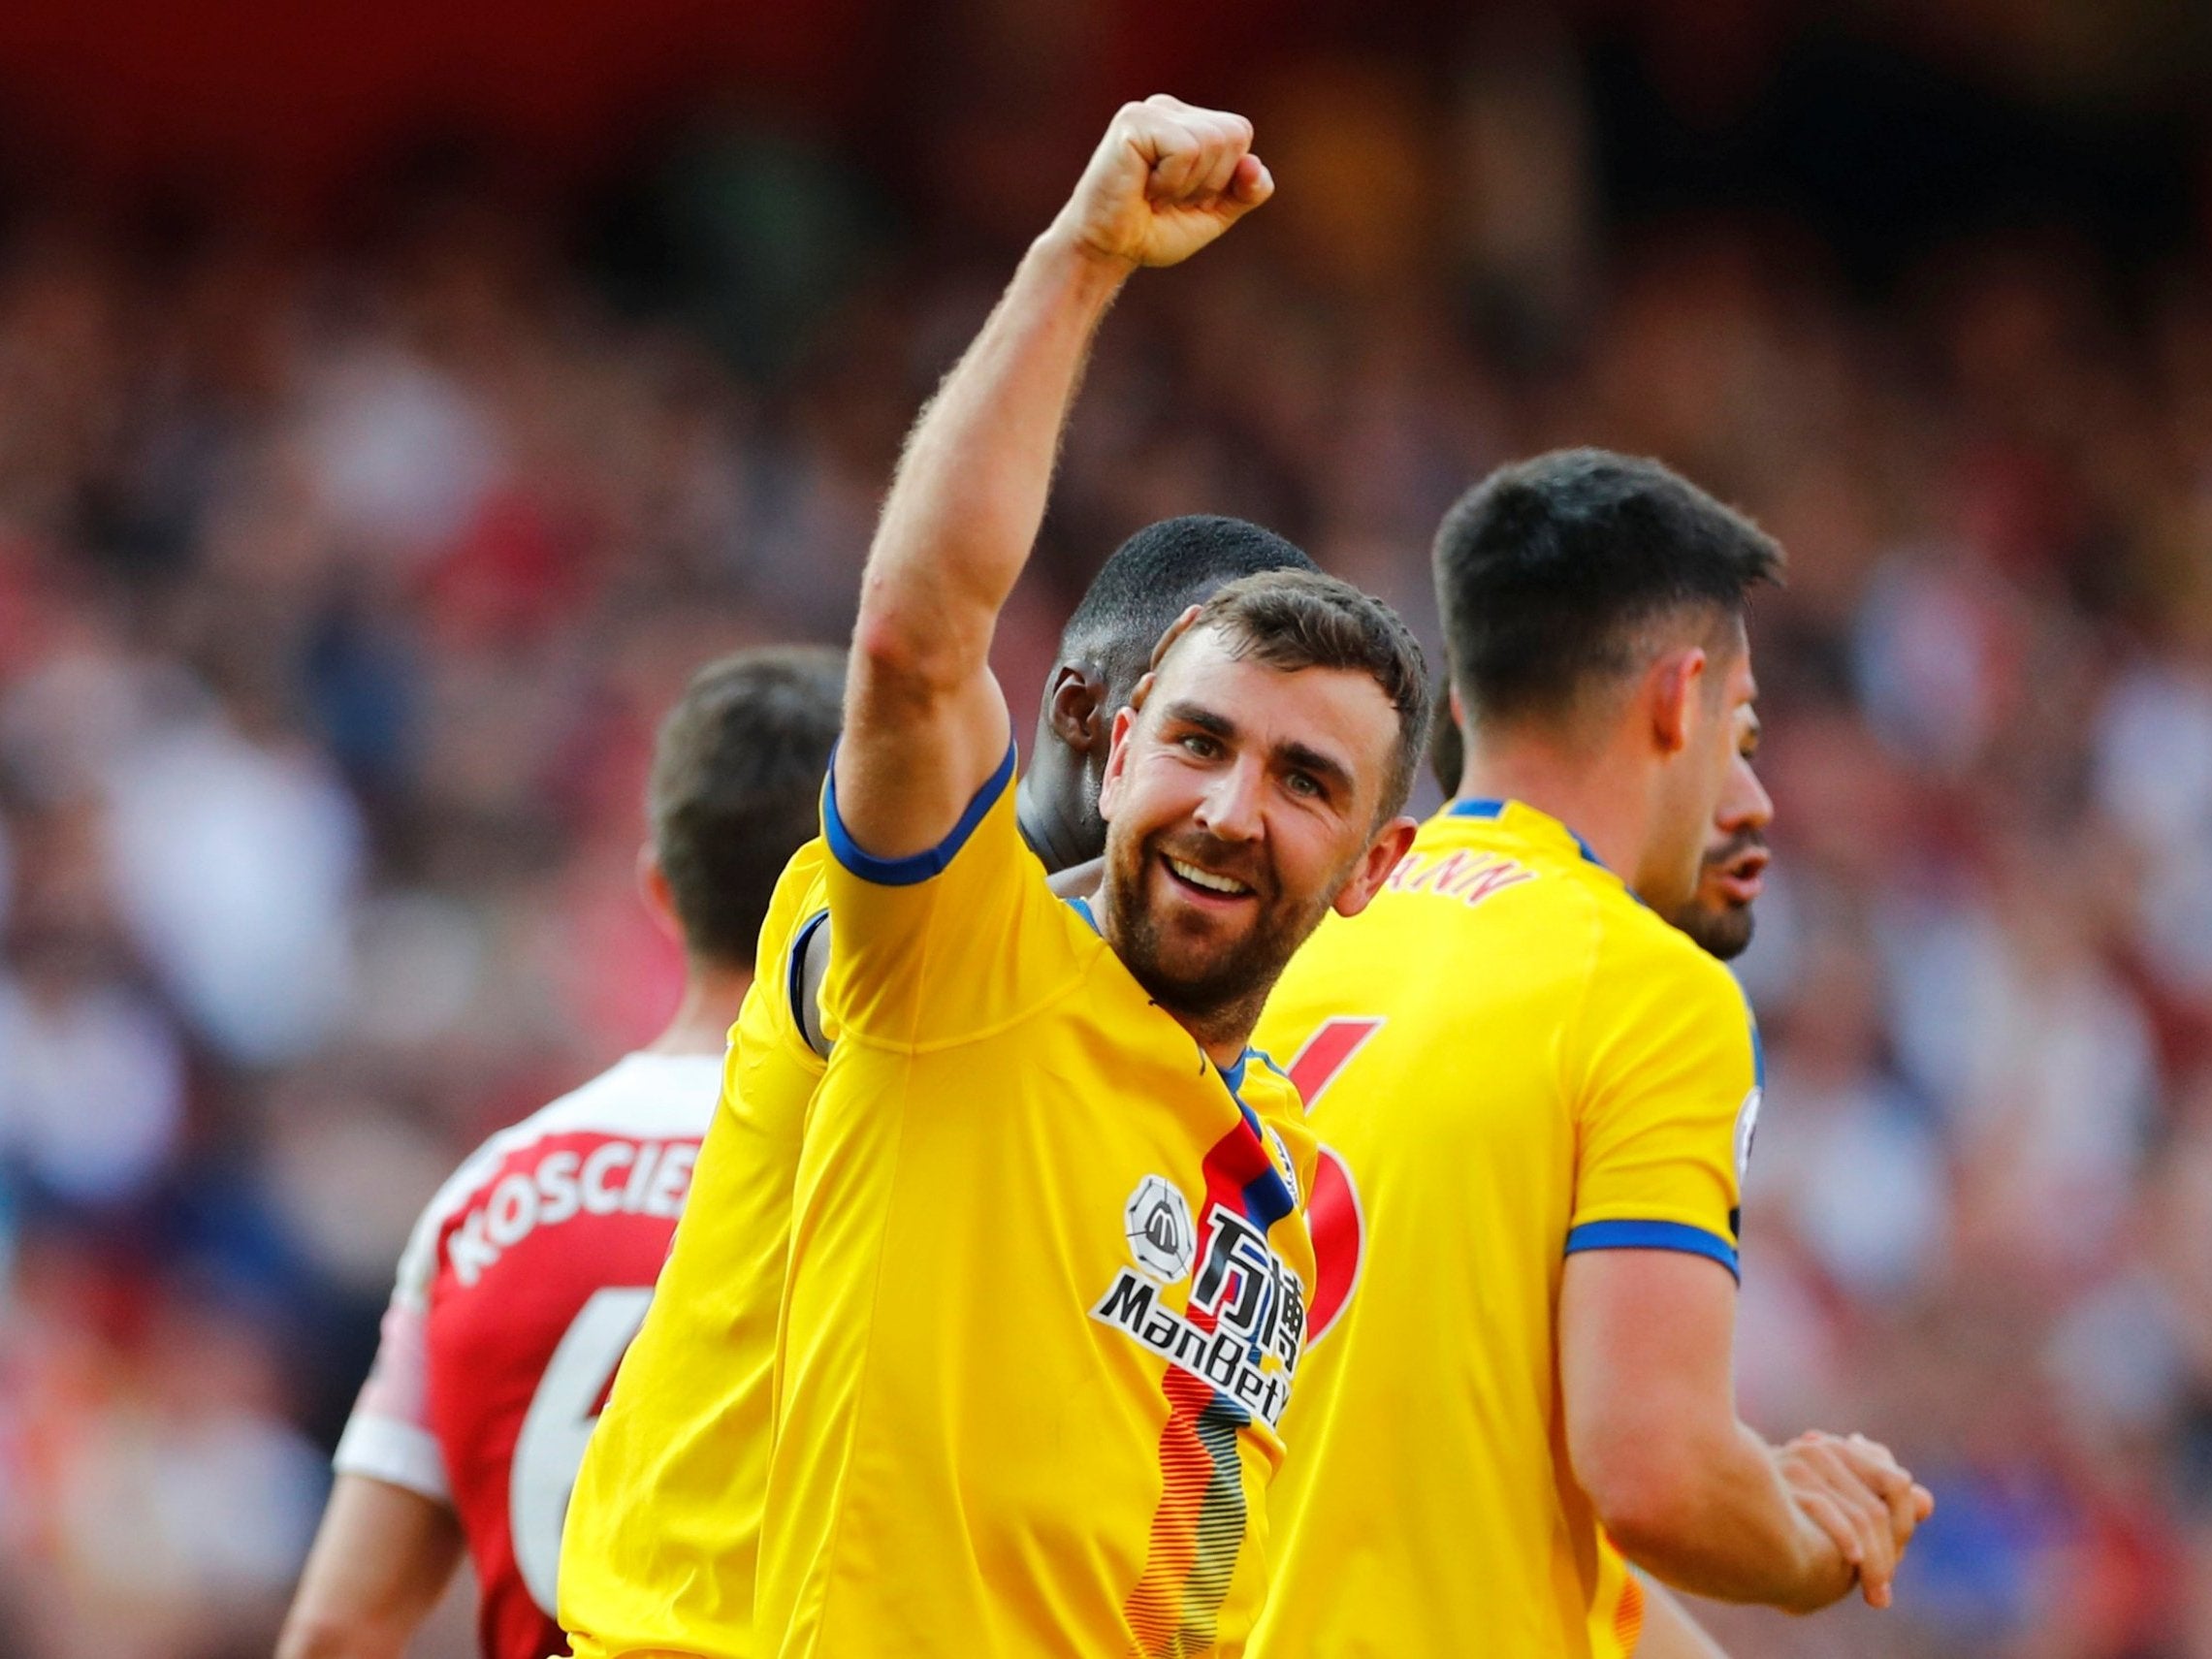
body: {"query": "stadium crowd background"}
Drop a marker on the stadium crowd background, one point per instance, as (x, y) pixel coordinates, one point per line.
(347, 556)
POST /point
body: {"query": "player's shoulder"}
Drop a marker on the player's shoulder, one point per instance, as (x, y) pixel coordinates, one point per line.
(653, 1097)
(642, 1097)
(1636, 939)
(800, 892)
(1646, 975)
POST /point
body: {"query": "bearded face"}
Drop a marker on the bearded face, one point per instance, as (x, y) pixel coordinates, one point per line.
(1203, 924)
(1240, 803)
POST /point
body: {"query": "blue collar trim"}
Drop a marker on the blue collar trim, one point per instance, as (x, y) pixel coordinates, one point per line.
(1234, 1075)
(1474, 809)
(1477, 809)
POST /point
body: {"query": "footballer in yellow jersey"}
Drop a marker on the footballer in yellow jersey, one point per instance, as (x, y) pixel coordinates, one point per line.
(1535, 1100)
(1009, 1126)
(1596, 1095)
(1049, 1264)
(663, 1530)
(663, 1526)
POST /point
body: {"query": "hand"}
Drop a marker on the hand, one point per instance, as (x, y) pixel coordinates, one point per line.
(1166, 179)
(1861, 1498)
(1909, 1503)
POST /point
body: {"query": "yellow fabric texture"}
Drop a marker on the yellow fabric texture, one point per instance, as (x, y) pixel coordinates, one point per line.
(1506, 1056)
(1046, 1287)
(663, 1528)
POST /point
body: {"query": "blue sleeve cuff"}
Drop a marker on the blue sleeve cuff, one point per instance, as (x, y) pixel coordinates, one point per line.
(1654, 1235)
(916, 867)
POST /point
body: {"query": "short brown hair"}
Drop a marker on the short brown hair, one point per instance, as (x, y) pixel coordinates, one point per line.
(1302, 619)
(736, 788)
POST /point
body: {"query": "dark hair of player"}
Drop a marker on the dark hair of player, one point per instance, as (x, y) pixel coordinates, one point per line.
(1546, 570)
(1447, 753)
(736, 786)
(1153, 578)
(1293, 619)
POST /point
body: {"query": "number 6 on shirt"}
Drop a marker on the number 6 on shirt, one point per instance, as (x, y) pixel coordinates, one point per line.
(550, 1448)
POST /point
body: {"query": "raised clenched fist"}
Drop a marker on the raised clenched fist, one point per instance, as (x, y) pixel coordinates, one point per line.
(1167, 178)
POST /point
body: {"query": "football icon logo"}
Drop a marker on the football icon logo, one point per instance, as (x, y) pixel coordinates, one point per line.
(1163, 1241)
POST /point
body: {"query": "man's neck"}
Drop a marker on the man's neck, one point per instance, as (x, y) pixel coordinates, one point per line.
(1607, 805)
(1222, 1036)
(1057, 843)
(712, 993)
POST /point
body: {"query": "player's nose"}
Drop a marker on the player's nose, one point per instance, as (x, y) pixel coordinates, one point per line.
(1745, 805)
(1230, 808)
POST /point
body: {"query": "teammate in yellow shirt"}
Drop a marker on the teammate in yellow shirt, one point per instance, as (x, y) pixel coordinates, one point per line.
(1536, 1098)
(662, 1533)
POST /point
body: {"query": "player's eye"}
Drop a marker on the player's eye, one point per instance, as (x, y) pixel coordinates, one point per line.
(1204, 746)
(1305, 783)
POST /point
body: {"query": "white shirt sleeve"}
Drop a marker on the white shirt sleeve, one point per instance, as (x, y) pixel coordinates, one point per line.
(389, 1435)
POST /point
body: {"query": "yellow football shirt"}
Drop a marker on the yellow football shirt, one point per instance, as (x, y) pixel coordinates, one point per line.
(1506, 1058)
(1046, 1293)
(664, 1524)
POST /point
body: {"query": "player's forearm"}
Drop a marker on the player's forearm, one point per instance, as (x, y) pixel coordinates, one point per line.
(1710, 1515)
(970, 494)
(380, 1560)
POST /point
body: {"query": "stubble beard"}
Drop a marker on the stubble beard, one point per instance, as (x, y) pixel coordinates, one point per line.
(1221, 1001)
(1722, 930)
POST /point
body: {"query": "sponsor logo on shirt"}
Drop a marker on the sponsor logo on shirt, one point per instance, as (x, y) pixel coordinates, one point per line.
(1162, 1236)
(1242, 1327)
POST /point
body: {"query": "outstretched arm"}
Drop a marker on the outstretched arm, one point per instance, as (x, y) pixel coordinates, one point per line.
(926, 724)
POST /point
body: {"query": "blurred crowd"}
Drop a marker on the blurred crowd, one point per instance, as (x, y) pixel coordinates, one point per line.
(341, 585)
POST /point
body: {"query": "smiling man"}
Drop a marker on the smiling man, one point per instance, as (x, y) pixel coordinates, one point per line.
(661, 1537)
(1049, 1270)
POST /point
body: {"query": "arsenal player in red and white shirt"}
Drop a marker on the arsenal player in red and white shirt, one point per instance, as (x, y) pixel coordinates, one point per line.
(529, 1271)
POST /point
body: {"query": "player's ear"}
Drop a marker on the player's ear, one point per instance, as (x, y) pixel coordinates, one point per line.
(1075, 707)
(660, 897)
(1117, 762)
(1673, 692)
(1390, 845)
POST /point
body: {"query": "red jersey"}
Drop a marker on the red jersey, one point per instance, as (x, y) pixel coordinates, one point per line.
(520, 1286)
